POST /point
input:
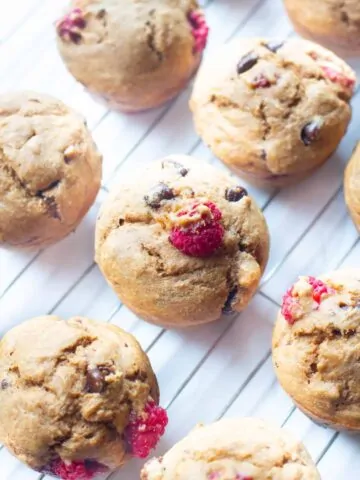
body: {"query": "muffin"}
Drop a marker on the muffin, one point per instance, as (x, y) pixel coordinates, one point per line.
(181, 242)
(316, 348)
(352, 186)
(272, 111)
(78, 398)
(136, 55)
(330, 22)
(50, 170)
(237, 449)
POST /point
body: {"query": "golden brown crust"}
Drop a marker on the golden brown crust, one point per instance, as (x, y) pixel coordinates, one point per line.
(50, 169)
(270, 111)
(332, 23)
(137, 55)
(150, 275)
(234, 448)
(352, 186)
(67, 389)
(316, 358)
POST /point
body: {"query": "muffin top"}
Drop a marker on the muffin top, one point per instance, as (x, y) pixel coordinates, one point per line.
(73, 391)
(234, 449)
(316, 347)
(172, 234)
(47, 159)
(127, 50)
(272, 108)
(352, 186)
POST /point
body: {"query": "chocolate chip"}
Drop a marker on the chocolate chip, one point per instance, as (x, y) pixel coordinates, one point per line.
(4, 384)
(94, 381)
(121, 222)
(101, 13)
(263, 155)
(157, 194)
(234, 194)
(182, 170)
(227, 308)
(311, 131)
(273, 46)
(247, 62)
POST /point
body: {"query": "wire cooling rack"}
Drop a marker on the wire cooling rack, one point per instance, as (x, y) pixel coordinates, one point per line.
(222, 369)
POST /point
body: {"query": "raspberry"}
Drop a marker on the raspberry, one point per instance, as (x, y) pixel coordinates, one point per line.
(338, 77)
(240, 476)
(319, 289)
(199, 30)
(201, 238)
(143, 433)
(260, 81)
(74, 471)
(69, 27)
(291, 308)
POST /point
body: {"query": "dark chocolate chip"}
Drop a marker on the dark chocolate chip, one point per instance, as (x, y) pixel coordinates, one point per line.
(273, 46)
(4, 384)
(234, 194)
(157, 194)
(263, 155)
(182, 170)
(227, 308)
(247, 62)
(311, 131)
(121, 222)
(101, 13)
(94, 381)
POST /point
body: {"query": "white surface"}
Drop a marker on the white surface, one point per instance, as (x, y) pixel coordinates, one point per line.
(212, 371)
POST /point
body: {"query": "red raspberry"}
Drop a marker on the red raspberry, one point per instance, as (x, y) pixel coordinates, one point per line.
(201, 238)
(143, 433)
(291, 307)
(199, 29)
(319, 289)
(76, 470)
(68, 28)
(240, 476)
(260, 81)
(338, 77)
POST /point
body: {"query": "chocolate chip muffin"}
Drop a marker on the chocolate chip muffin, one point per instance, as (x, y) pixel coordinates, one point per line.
(316, 347)
(352, 186)
(272, 111)
(136, 55)
(50, 169)
(237, 449)
(78, 397)
(333, 23)
(181, 242)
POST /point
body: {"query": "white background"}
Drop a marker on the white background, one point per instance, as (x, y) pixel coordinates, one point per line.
(223, 369)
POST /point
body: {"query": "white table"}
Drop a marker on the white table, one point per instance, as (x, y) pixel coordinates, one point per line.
(217, 370)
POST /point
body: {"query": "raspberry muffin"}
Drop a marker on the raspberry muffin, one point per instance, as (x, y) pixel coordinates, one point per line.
(316, 347)
(78, 397)
(332, 23)
(236, 449)
(171, 235)
(272, 111)
(352, 186)
(50, 169)
(136, 55)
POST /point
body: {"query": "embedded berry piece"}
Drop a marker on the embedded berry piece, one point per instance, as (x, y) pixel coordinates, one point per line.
(227, 308)
(85, 470)
(235, 194)
(247, 62)
(290, 307)
(69, 28)
(260, 81)
(199, 30)
(201, 237)
(319, 289)
(157, 194)
(338, 77)
(311, 131)
(273, 46)
(144, 432)
(240, 476)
